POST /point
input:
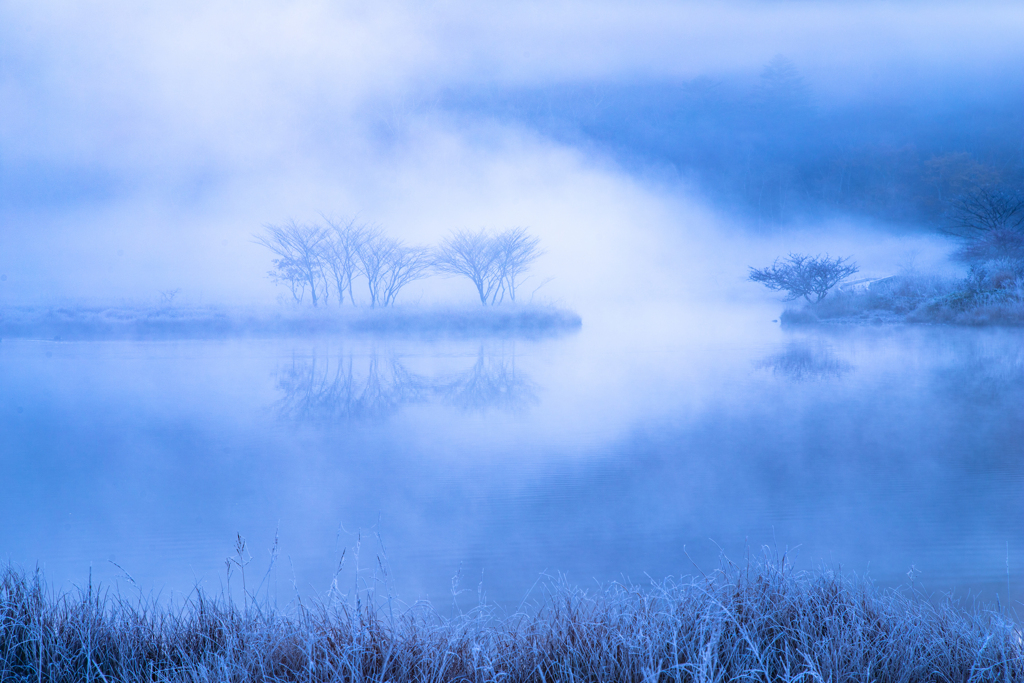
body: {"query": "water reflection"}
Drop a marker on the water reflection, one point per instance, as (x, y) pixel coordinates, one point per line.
(628, 452)
(343, 388)
(802, 362)
(492, 382)
(372, 386)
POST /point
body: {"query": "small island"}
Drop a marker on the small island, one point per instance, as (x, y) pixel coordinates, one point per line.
(342, 277)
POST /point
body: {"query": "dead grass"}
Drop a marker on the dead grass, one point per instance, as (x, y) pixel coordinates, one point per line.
(763, 622)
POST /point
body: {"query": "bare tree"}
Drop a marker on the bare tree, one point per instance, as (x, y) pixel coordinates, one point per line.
(516, 252)
(983, 209)
(389, 266)
(804, 276)
(341, 254)
(167, 296)
(473, 255)
(299, 262)
(494, 263)
(990, 221)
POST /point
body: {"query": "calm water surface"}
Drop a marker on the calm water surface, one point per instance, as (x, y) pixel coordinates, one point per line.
(646, 444)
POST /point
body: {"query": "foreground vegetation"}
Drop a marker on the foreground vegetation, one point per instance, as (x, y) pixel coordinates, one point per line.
(989, 295)
(761, 623)
(132, 322)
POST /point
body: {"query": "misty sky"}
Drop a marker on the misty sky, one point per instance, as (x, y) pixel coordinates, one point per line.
(141, 145)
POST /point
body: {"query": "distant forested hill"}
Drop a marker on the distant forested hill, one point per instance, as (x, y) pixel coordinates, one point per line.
(774, 150)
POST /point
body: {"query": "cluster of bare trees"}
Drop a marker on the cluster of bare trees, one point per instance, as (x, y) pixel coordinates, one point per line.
(495, 263)
(325, 261)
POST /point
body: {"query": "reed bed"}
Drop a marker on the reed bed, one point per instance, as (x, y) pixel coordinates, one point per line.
(763, 622)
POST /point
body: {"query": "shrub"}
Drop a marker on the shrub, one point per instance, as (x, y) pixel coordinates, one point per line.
(804, 276)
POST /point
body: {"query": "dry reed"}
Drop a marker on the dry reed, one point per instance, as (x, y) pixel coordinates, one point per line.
(764, 622)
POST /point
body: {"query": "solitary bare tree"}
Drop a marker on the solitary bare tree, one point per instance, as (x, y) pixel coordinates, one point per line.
(341, 254)
(299, 262)
(804, 276)
(494, 263)
(389, 265)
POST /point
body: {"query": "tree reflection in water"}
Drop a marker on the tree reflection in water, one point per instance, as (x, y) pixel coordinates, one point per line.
(492, 382)
(320, 389)
(802, 362)
(374, 386)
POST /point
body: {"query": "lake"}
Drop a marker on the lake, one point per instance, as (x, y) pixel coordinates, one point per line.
(651, 443)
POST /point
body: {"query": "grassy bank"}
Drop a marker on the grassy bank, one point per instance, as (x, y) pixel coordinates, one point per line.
(763, 623)
(988, 296)
(129, 322)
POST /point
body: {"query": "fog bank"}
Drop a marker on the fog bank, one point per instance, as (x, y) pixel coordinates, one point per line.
(143, 146)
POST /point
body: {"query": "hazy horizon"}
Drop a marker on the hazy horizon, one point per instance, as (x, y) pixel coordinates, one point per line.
(141, 148)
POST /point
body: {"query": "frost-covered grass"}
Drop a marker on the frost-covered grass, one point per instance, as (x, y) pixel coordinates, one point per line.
(756, 623)
(992, 294)
(100, 322)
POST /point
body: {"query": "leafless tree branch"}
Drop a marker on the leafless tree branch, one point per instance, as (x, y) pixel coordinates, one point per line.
(494, 263)
(341, 254)
(804, 276)
(389, 265)
(299, 262)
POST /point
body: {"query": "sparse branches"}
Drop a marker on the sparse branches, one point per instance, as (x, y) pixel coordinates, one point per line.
(373, 255)
(341, 254)
(804, 276)
(494, 263)
(473, 255)
(984, 209)
(299, 262)
(990, 221)
(389, 266)
(167, 296)
(516, 252)
(406, 265)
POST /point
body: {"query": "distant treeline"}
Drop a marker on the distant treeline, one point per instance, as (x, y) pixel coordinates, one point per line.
(326, 260)
(776, 152)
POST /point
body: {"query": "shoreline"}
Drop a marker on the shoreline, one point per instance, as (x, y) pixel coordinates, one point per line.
(802, 319)
(85, 323)
(916, 300)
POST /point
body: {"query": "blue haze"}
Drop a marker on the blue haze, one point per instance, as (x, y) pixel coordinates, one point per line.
(656, 154)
